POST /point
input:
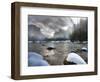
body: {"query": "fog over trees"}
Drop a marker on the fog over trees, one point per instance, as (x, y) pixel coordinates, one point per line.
(80, 31)
(57, 28)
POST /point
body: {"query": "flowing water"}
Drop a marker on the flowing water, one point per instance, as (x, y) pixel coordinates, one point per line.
(54, 52)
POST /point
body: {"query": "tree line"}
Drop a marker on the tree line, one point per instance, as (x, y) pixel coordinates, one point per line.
(80, 32)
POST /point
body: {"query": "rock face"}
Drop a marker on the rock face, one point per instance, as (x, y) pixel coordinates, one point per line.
(35, 59)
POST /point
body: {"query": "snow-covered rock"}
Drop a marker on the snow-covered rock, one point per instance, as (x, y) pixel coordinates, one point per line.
(35, 59)
(75, 58)
(34, 55)
(84, 49)
(35, 62)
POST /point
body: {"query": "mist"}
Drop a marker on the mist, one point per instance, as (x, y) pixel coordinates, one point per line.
(51, 27)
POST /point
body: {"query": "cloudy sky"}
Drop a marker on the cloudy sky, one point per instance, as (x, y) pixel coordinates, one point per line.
(41, 27)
